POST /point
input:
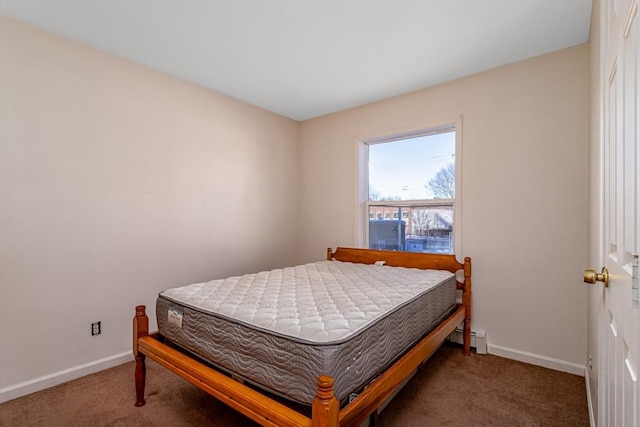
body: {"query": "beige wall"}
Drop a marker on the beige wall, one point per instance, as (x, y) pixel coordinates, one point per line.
(524, 194)
(117, 182)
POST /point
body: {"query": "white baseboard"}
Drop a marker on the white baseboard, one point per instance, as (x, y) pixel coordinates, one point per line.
(592, 419)
(41, 383)
(536, 359)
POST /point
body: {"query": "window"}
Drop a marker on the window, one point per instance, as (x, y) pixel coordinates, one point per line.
(412, 178)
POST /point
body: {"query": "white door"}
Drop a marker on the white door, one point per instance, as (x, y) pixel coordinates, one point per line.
(619, 341)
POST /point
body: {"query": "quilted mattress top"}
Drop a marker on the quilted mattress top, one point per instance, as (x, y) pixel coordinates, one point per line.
(321, 303)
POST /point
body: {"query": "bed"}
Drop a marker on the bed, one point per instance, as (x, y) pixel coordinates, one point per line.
(337, 337)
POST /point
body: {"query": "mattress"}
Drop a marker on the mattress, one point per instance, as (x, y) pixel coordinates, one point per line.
(281, 329)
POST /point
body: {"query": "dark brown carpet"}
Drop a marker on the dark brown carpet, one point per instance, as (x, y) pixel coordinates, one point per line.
(451, 390)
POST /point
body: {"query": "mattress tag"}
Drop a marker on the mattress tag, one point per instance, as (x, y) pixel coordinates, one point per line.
(175, 317)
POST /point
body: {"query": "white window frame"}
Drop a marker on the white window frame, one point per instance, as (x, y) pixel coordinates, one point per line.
(362, 181)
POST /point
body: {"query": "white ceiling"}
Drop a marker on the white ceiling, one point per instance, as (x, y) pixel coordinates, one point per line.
(302, 58)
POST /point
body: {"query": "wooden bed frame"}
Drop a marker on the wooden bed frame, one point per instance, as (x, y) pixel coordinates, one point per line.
(325, 410)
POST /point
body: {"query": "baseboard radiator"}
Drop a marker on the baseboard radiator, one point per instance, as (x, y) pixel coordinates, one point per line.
(478, 339)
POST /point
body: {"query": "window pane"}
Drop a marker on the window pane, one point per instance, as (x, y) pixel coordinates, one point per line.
(421, 229)
(413, 169)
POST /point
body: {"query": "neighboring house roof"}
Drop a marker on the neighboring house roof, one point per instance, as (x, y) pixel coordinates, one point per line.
(443, 218)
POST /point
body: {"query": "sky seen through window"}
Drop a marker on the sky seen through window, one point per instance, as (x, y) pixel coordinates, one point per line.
(401, 169)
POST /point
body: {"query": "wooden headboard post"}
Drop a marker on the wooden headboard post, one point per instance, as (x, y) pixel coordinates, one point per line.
(466, 301)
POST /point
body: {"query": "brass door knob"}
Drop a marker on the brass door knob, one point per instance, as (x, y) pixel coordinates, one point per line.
(590, 276)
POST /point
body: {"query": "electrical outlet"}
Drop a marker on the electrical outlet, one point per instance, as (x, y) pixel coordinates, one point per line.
(96, 328)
